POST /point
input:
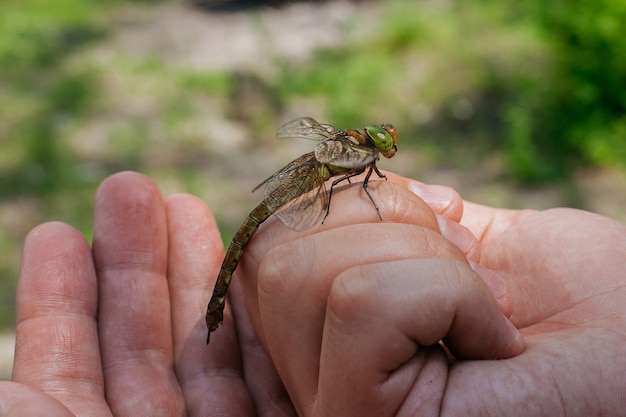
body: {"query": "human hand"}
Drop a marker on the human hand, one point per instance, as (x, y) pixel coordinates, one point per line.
(119, 330)
(352, 311)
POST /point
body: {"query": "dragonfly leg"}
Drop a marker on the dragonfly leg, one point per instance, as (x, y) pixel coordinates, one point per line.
(347, 177)
(332, 186)
(367, 178)
(380, 174)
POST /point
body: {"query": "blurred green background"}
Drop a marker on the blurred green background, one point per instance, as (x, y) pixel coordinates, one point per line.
(516, 104)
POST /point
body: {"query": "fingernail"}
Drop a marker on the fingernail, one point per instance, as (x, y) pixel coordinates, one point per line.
(496, 285)
(460, 236)
(436, 196)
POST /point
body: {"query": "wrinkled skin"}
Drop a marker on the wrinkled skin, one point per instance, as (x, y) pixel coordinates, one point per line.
(350, 312)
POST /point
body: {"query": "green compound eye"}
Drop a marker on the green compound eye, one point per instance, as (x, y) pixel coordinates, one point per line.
(381, 139)
(384, 138)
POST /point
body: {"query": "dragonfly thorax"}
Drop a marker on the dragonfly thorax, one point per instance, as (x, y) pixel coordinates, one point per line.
(328, 151)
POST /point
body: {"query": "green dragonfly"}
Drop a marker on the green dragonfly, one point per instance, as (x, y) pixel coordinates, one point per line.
(296, 194)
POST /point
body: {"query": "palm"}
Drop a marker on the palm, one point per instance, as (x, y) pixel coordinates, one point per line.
(564, 270)
(551, 261)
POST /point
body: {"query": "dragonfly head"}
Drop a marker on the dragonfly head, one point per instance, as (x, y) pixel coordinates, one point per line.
(384, 138)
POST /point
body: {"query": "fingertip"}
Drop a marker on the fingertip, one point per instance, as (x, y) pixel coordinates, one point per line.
(497, 286)
(129, 223)
(515, 345)
(52, 230)
(53, 253)
(499, 339)
(460, 236)
(192, 213)
(442, 199)
(126, 187)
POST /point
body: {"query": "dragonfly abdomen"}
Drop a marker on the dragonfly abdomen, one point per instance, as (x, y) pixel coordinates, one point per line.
(215, 309)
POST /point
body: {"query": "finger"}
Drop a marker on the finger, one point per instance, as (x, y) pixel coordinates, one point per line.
(266, 387)
(465, 240)
(211, 376)
(443, 200)
(368, 360)
(295, 279)
(24, 401)
(56, 347)
(461, 237)
(349, 205)
(130, 251)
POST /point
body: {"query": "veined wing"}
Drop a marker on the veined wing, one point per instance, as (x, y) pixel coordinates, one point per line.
(305, 128)
(296, 193)
(344, 153)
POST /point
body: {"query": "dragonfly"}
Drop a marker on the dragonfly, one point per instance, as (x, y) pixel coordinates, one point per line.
(297, 194)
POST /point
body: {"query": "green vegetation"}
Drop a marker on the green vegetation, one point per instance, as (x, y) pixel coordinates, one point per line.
(540, 86)
(576, 112)
(40, 94)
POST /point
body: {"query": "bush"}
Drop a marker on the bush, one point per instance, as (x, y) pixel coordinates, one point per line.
(577, 114)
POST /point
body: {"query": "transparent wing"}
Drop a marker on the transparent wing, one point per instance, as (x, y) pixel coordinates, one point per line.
(305, 211)
(296, 193)
(305, 128)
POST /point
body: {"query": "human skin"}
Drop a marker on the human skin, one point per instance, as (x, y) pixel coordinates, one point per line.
(352, 327)
(351, 312)
(119, 330)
